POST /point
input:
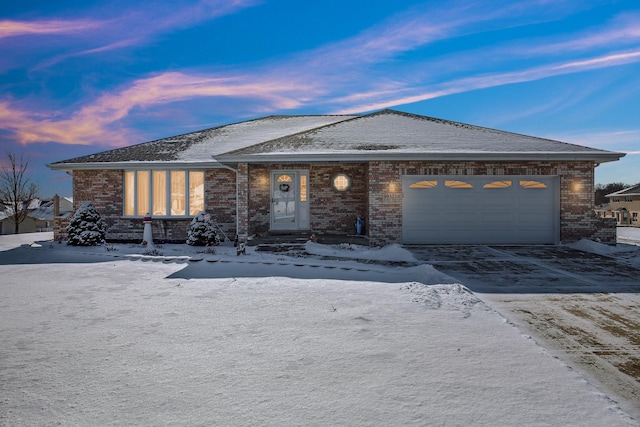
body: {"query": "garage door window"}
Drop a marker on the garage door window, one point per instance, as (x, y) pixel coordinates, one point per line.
(424, 184)
(457, 184)
(532, 184)
(498, 184)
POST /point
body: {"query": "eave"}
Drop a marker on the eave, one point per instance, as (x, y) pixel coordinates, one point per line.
(597, 157)
(176, 164)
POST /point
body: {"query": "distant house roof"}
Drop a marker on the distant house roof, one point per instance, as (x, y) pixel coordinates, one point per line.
(383, 135)
(629, 191)
(44, 213)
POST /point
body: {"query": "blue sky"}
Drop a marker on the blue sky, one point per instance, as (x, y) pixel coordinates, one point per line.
(78, 77)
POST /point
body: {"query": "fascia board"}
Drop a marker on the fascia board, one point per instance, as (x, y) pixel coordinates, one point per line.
(134, 165)
(360, 157)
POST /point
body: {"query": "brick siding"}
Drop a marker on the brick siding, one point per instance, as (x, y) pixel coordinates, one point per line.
(104, 189)
(577, 219)
(331, 211)
(375, 195)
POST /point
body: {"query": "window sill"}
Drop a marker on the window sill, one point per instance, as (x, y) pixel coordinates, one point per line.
(141, 217)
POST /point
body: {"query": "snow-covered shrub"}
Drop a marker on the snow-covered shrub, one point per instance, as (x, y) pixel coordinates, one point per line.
(202, 231)
(86, 227)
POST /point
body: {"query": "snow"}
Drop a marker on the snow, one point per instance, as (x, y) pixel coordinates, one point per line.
(626, 248)
(394, 253)
(415, 134)
(630, 235)
(244, 134)
(111, 336)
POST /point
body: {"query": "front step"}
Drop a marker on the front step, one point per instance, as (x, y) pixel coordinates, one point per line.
(300, 239)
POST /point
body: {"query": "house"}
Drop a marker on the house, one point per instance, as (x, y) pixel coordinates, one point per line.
(412, 179)
(624, 206)
(40, 216)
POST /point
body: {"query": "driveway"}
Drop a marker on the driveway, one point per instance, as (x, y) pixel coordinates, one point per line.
(582, 307)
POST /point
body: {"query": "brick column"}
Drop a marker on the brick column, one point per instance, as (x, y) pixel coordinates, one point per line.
(242, 189)
(385, 203)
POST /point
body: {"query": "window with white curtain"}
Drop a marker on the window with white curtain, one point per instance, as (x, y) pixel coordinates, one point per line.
(163, 193)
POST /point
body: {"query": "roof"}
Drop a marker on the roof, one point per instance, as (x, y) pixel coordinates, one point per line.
(383, 135)
(202, 146)
(629, 191)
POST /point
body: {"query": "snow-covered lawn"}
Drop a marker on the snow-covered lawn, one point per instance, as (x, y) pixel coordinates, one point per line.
(96, 337)
(629, 235)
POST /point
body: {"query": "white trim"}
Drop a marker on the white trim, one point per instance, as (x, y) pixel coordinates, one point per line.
(387, 156)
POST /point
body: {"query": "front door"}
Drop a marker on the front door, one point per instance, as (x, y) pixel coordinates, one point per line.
(289, 200)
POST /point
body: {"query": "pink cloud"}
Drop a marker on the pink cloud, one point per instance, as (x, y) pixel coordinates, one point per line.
(94, 123)
(21, 28)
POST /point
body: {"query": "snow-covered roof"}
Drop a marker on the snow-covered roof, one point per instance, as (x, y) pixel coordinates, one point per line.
(394, 135)
(44, 213)
(629, 191)
(383, 135)
(203, 146)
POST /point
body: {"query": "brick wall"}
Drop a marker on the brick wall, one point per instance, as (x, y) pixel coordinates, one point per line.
(104, 189)
(60, 227)
(331, 211)
(576, 193)
(375, 194)
(220, 198)
(243, 192)
(335, 212)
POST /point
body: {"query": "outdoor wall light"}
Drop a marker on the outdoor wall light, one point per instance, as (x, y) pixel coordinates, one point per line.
(341, 182)
(576, 187)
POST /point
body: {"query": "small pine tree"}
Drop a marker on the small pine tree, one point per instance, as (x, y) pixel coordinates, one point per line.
(202, 232)
(86, 227)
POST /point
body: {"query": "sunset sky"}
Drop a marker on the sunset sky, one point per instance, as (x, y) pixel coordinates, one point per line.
(78, 77)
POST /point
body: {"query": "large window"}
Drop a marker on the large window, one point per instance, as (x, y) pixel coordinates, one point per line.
(163, 193)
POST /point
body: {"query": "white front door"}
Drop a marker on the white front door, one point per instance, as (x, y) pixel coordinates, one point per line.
(289, 200)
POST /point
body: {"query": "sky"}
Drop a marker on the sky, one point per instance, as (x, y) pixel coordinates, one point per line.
(80, 77)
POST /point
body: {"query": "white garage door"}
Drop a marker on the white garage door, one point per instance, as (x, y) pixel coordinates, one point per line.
(480, 209)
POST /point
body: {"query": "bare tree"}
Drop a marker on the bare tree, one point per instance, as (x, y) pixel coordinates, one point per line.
(16, 188)
(602, 190)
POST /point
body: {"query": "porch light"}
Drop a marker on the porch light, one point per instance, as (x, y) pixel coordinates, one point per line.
(341, 182)
(576, 187)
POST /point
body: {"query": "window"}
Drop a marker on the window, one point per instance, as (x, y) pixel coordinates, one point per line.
(457, 184)
(424, 184)
(634, 216)
(616, 199)
(303, 188)
(498, 184)
(532, 184)
(341, 182)
(163, 193)
(628, 199)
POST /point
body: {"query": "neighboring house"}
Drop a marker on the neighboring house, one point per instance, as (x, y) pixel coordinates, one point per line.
(624, 206)
(40, 216)
(412, 179)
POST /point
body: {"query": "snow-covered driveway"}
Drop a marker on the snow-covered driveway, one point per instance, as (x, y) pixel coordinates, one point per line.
(583, 306)
(115, 340)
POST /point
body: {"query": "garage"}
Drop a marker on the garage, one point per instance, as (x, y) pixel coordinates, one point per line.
(473, 209)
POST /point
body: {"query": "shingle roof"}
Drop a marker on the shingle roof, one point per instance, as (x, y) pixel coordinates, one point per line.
(386, 134)
(629, 191)
(396, 134)
(202, 145)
